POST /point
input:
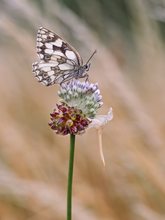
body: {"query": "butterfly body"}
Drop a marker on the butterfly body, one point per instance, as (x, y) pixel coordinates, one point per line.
(59, 61)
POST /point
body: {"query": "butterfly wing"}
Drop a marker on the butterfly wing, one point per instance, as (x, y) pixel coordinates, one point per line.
(58, 59)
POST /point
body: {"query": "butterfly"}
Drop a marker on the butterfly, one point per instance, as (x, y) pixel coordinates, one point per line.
(59, 61)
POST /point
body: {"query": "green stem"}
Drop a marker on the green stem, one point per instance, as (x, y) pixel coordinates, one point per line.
(70, 177)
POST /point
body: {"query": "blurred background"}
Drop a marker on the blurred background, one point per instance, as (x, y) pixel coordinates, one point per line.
(129, 66)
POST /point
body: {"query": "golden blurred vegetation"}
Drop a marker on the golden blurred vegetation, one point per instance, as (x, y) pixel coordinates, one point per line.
(129, 67)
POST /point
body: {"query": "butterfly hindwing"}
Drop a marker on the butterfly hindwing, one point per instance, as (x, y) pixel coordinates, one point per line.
(50, 73)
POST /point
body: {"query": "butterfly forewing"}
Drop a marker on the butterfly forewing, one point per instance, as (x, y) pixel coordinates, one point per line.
(58, 60)
(50, 44)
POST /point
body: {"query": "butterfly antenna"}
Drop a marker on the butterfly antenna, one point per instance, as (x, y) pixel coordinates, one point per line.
(91, 57)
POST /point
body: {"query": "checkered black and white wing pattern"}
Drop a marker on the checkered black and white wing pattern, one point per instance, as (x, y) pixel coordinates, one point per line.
(58, 60)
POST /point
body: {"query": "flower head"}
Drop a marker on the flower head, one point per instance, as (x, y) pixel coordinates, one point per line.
(79, 104)
(68, 120)
(82, 95)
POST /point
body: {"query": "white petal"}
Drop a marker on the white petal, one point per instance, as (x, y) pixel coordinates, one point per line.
(98, 122)
(101, 120)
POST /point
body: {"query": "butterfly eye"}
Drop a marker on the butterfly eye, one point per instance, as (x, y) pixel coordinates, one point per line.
(87, 66)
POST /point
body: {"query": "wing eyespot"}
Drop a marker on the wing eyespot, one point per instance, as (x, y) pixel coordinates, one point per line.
(47, 57)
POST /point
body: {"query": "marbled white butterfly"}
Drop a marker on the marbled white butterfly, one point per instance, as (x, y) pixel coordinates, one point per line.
(59, 61)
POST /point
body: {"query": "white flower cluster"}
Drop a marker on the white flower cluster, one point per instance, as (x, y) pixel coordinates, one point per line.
(82, 95)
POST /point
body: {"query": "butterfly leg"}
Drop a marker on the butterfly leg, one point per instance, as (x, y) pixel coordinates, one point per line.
(87, 76)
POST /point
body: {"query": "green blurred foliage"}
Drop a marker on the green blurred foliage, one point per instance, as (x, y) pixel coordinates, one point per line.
(102, 14)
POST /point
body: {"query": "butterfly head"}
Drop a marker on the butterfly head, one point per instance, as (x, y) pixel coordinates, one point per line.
(81, 73)
(83, 69)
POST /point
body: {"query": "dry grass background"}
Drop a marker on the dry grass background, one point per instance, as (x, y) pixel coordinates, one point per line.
(34, 161)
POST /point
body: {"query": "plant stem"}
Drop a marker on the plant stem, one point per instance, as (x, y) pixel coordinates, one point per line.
(70, 177)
